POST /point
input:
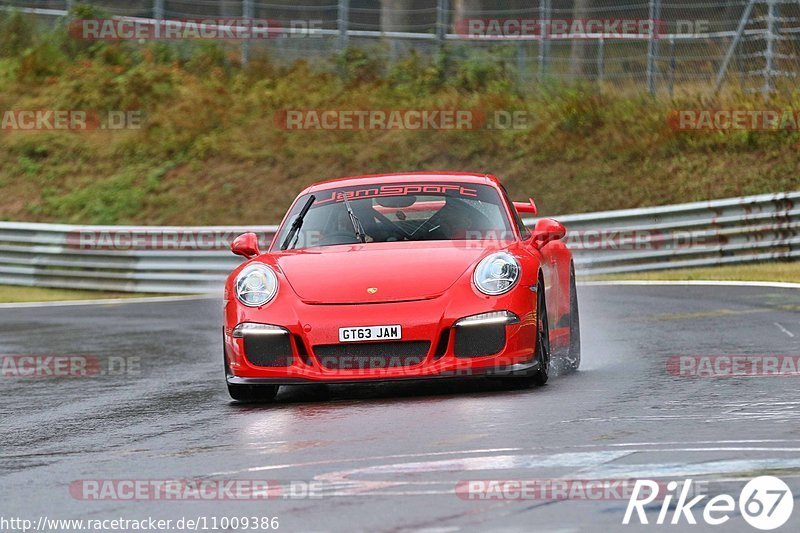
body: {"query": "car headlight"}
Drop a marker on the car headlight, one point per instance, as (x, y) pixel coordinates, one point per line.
(483, 319)
(497, 273)
(256, 285)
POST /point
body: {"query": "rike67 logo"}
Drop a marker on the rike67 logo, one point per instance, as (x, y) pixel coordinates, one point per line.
(765, 503)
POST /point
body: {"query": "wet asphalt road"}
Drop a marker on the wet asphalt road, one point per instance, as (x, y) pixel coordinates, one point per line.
(388, 457)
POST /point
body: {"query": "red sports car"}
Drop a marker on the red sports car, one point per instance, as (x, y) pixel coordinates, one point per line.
(400, 276)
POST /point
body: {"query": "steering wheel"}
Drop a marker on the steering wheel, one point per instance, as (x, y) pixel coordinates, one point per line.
(380, 216)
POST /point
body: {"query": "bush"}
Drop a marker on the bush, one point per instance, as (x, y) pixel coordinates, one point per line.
(357, 66)
(16, 34)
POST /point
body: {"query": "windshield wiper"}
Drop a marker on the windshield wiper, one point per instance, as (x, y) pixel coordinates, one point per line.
(359, 229)
(297, 223)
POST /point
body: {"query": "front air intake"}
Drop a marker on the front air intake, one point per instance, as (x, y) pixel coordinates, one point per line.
(479, 340)
(268, 350)
(372, 355)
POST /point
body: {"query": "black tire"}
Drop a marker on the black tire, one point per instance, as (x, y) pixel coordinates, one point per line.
(573, 358)
(542, 352)
(542, 337)
(253, 393)
(249, 393)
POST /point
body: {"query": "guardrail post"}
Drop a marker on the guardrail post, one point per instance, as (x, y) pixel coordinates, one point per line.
(442, 11)
(158, 10)
(247, 15)
(343, 18)
(748, 9)
(522, 63)
(544, 37)
(671, 65)
(158, 15)
(601, 63)
(769, 50)
(652, 46)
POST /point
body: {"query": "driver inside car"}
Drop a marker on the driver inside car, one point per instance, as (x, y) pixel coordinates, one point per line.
(454, 222)
(339, 229)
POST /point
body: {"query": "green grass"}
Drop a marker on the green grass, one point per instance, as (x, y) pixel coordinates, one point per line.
(14, 294)
(783, 272)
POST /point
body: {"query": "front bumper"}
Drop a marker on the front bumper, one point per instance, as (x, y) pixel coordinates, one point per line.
(519, 369)
(311, 334)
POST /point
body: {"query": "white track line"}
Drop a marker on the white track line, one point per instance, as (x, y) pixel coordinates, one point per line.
(776, 284)
(783, 329)
(108, 301)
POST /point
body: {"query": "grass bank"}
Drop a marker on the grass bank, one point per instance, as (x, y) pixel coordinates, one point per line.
(15, 294)
(780, 272)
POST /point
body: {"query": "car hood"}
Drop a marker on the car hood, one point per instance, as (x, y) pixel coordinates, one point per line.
(378, 272)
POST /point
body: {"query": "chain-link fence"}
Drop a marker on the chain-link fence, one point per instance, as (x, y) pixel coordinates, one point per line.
(657, 45)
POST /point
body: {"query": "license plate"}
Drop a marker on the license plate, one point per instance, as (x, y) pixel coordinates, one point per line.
(370, 333)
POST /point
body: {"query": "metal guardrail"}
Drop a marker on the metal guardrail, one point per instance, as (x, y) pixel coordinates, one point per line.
(197, 259)
(119, 258)
(719, 232)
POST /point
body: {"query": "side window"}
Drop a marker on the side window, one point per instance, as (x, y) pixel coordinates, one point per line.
(524, 232)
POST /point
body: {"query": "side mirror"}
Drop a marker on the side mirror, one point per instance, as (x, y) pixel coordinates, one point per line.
(246, 245)
(547, 230)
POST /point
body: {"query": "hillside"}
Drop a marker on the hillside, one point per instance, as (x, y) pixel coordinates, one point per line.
(210, 149)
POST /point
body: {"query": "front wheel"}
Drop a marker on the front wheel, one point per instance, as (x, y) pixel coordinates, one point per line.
(249, 393)
(573, 358)
(542, 338)
(542, 345)
(253, 393)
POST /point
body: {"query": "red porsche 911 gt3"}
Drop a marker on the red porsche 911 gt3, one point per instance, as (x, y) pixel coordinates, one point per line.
(400, 276)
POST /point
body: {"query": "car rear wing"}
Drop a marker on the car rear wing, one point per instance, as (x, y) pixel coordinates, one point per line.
(526, 207)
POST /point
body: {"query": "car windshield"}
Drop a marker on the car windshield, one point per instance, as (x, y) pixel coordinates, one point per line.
(397, 212)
